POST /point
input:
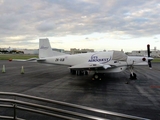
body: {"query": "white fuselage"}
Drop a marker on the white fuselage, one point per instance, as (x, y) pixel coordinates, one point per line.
(105, 58)
(71, 60)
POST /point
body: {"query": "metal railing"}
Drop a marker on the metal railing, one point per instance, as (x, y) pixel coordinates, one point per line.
(69, 111)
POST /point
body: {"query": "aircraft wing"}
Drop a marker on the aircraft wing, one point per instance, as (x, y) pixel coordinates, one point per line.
(90, 65)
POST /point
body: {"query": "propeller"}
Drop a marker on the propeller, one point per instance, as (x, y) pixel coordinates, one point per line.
(149, 56)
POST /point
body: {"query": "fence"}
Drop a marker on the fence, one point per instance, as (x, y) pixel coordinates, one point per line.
(16, 102)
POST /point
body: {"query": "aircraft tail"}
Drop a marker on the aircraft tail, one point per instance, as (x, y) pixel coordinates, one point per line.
(45, 49)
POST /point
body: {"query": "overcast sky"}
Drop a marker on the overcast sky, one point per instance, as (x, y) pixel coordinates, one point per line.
(95, 24)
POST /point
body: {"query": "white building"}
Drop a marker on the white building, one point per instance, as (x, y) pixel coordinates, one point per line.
(36, 51)
(154, 53)
(30, 51)
(76, 51)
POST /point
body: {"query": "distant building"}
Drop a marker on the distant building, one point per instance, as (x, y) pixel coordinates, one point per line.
(10, 51)
(76, 51)
(154, 53)
(72, 51)
(30, 51)
(36, 51)
(58, 50)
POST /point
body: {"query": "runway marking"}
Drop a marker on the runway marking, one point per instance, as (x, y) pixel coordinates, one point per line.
(147, 95)
(155, 86)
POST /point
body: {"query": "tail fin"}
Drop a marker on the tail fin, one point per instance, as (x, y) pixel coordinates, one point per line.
(45, 49)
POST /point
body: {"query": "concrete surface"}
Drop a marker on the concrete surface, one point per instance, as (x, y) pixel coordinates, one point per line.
(140, 97)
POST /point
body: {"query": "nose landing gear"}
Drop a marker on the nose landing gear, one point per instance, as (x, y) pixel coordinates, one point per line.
(133, 76)
(97, 76)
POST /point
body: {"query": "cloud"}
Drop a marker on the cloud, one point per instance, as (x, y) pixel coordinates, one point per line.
(50, 18)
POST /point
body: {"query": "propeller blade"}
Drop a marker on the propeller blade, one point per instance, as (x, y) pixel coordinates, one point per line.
(148, 50)
(149, 60)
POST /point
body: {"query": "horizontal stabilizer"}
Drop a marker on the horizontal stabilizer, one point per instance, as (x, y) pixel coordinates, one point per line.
(28, 60)
(32, 59)
(41, 60)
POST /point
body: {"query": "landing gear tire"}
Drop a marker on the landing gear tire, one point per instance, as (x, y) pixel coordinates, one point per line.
(85, 72)
(78, 72)
(133, 76)
(96, 77)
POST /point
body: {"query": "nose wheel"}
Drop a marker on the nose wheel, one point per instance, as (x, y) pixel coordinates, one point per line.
(96, 76)
(133, 76)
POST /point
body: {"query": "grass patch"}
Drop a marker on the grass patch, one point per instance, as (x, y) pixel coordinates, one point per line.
(156, 60)
(16, 56)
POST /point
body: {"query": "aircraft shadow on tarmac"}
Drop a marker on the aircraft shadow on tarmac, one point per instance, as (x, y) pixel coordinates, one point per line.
(108, 80)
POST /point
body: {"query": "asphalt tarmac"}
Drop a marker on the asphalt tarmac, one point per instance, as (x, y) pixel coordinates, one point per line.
(140, 97)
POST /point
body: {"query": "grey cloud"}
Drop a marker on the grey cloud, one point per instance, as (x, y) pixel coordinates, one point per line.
(61, 17)
(45, 26)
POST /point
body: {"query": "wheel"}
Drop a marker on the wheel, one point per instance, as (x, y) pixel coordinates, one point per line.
(86, 72)
(133, 76)
(73, 72)
(97, 76)
(77, 72)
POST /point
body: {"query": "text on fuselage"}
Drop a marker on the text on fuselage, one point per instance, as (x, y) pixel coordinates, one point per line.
(96, 59)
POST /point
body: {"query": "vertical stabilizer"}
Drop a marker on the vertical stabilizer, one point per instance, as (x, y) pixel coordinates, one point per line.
(45, 49)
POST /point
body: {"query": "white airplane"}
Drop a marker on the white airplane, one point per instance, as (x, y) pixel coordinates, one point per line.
(98, 62)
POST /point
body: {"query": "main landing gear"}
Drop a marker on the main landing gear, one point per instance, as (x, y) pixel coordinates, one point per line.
(78, 72)
(96, 76)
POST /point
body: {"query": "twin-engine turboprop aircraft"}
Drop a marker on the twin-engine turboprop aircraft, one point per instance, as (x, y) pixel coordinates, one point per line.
(98, 62)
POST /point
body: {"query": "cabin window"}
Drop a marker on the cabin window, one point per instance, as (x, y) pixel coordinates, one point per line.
(62, 59)
(56, 59)
(115, 61)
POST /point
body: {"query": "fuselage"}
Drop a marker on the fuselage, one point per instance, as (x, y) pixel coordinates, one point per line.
(118, 61)
(70, 60)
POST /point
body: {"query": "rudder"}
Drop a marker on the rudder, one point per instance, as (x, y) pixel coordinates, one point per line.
(45, 49)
